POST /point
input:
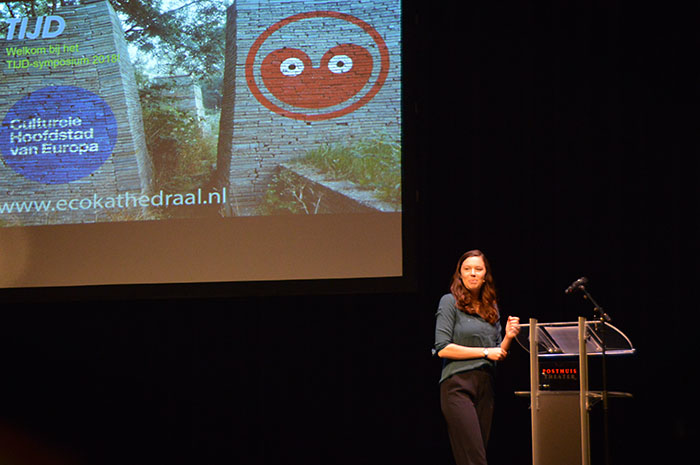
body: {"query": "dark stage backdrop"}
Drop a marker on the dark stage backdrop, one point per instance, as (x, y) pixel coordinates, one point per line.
(554, 138)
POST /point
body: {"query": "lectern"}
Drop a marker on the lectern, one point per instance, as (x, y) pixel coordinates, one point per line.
(560, 399)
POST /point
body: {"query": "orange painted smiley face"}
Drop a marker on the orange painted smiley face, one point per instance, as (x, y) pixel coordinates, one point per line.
(289, 75)
(347, 76)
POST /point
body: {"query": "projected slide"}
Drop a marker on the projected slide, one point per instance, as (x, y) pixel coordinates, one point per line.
(115, 111)
(179, 141)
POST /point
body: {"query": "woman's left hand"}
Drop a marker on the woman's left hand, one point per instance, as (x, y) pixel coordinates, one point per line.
(512, 326)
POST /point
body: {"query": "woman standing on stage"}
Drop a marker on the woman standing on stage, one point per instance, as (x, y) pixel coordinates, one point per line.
(468, 339)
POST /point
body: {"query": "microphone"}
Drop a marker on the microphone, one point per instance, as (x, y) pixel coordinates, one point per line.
(576, 285)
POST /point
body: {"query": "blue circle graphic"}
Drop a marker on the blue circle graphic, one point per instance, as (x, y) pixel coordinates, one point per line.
(58, 134)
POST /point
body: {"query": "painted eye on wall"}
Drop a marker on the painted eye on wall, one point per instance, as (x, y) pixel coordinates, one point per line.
(292, 67)
(339, 64)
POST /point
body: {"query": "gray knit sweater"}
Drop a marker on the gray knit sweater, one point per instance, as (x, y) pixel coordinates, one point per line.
(456, 326)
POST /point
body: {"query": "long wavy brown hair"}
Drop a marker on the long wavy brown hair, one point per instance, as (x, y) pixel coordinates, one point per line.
(488, 308)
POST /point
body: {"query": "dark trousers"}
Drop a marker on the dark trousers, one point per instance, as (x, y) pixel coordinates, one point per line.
(467, 403)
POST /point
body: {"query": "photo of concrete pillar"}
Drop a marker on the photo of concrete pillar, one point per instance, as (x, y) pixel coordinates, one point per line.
(71, 140)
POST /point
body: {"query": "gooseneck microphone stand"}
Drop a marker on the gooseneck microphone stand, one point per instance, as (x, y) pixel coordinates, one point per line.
(603, 318)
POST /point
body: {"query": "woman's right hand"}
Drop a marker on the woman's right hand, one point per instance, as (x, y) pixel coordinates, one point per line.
(496, 354)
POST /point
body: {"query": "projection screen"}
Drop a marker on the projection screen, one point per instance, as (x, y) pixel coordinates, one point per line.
(209, 141)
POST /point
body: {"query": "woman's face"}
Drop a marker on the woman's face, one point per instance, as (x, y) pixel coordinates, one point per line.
(473, 272)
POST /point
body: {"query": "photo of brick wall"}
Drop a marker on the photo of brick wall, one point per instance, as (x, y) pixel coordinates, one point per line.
(292, 127)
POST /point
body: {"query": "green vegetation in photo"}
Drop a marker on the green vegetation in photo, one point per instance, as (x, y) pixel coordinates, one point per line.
(182, 151)
(289, 194)
(372, 164)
